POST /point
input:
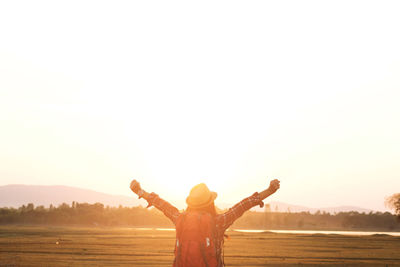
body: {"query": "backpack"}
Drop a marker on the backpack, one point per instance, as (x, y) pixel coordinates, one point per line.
(196, 244)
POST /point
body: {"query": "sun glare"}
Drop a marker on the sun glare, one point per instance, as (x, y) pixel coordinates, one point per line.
(203, 96)
(180, 171)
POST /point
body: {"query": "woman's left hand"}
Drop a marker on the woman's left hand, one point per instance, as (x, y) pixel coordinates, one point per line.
(274, 185)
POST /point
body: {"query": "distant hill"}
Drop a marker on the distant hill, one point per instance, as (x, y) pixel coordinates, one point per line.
(284, 207)
(18, 195)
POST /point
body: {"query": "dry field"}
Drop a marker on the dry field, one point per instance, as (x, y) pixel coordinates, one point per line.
(59, 246)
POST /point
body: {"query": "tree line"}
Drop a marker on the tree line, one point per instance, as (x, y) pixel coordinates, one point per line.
(373, 221)
(84, 214)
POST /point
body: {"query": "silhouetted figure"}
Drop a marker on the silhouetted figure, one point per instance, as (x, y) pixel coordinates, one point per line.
(199, 229)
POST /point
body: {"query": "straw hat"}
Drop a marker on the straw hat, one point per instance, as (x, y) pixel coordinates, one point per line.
(200, 196)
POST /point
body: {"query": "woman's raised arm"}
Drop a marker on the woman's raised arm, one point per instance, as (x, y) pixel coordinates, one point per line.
(154, 200)
(227, 219)
(273, 187)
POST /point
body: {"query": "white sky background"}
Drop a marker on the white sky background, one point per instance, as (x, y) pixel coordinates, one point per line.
(233, 93)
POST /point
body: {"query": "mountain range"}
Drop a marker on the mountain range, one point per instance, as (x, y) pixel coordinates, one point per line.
(18, 195)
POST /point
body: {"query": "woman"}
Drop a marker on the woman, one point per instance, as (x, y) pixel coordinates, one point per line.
(199, 229)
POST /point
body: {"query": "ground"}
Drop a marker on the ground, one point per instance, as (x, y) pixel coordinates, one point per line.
(72, 246)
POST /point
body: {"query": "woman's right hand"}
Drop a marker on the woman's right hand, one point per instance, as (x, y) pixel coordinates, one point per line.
(135, 186)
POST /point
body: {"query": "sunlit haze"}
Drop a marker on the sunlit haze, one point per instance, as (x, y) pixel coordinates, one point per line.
(230, 93)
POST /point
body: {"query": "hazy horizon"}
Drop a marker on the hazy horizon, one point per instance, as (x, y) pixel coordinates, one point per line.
(17, 195)
(94, 95)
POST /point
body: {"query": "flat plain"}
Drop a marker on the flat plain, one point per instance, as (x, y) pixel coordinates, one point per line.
(75, 246)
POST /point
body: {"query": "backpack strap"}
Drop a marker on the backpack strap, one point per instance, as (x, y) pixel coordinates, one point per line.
(202, 243)
(214, 238)
(218, 244)
(178, 240)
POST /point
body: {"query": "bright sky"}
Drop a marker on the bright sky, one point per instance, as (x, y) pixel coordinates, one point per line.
(232, 93)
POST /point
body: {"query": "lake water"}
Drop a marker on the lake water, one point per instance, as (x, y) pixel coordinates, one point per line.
(320, 232)
(295, 231)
